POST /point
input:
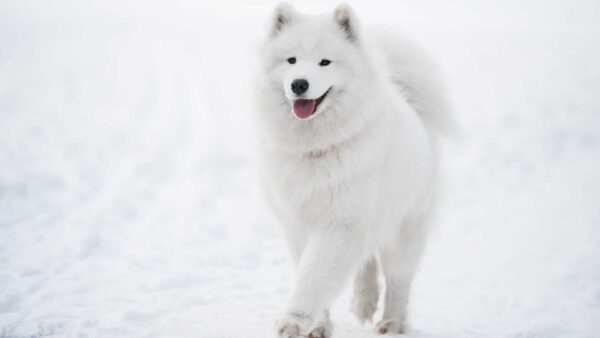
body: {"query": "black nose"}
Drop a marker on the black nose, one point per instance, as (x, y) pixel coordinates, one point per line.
(299, 86)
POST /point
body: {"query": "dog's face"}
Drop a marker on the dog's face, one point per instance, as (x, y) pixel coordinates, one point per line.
(310, 60)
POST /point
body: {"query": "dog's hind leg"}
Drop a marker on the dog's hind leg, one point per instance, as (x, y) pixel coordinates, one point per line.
(366, 291)
(399, 263)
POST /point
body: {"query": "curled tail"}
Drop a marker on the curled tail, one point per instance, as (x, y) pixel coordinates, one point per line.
(417, 77)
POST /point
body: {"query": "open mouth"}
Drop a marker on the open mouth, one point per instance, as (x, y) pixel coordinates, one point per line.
(304, 109)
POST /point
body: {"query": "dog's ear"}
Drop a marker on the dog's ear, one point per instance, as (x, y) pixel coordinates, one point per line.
(346, 20)
(282, 17)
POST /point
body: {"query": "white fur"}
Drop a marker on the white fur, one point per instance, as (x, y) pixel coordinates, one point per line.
(355, 186)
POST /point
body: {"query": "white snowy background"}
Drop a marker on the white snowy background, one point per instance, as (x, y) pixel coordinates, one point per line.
(128, 198)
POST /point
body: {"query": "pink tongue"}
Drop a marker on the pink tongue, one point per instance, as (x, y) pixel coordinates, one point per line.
(304, 108)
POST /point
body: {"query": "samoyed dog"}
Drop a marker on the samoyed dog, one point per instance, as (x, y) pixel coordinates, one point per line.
(349, 125)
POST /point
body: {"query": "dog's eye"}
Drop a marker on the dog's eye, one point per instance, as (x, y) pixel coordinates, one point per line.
(291, 60)
(324, 62)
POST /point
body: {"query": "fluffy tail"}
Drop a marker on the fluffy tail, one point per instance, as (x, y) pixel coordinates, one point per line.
(417, 77)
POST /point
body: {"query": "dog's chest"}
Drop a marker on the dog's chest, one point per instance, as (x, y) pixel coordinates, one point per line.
(316, 179)
(308, 175)
(297, 181)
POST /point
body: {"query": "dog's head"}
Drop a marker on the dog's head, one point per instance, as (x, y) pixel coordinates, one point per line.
(310, 61)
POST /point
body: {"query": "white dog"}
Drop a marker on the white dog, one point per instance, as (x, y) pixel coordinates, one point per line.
(349, 128)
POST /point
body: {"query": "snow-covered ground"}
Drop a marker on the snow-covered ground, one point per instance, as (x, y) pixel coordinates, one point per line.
(128, 200)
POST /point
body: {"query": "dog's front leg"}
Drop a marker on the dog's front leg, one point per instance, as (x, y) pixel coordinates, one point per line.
(329, 259)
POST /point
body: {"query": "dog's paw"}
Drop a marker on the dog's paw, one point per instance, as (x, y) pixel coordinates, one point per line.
(320, 332)
(364, 306)
(288, 330)
(390, 326)
(290, 326)
(323, 330)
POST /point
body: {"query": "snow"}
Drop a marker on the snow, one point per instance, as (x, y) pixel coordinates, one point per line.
(128, 198)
